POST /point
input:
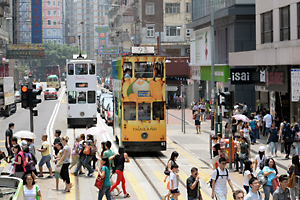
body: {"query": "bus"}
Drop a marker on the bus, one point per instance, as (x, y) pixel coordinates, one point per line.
(52, 82)
(82, 92)
(54, 70)
(139, 89)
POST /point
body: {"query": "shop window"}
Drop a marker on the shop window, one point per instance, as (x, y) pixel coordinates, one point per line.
(91, 97)
(70, 69)
(158, 111)
(130, 111)
(144, 112)
(81, 97)
(72, 97)
(143, 69)
(92, 68)
(81, 69)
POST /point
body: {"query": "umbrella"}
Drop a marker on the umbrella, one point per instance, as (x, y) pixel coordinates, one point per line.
(25, 134)
(244, 118)
(94, 131)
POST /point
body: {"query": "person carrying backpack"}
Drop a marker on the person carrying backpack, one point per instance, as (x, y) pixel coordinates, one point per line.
(219, 177)
(287, 139)
(296, 136)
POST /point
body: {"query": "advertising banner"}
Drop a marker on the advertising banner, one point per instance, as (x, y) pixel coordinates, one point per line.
(295, 84)
(103, 47)
(25, 51)
(203, 49)
(36, 20)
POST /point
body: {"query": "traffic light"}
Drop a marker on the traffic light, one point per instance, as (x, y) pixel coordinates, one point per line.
(33, 100)
(24, 96)
(229, 99)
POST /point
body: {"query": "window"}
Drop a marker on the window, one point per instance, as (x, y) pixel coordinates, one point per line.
(284, 23)
(81, 69)
(159, 70)
(48, 12)
(48, 3)
(58, 3)
(187, 32)
(58, 13)
(129, 111)
(58, 23)
(173, 30)
(49, 32)
(188, 7)
(81, 97)
(158, 111)
(54, 12)
(54, 33)
(143, 69)
(150, 6)
(49, 22)
(172, 8)
(72, 97)
(54, 3)
(58, 41)
(267, 27)
(144, 112)
(150, 31)
(91, 97)
(54, 22)
(70, 69)
(92, 68)
(127, 67)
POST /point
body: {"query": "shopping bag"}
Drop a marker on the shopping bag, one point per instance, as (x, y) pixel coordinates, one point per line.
(99, 182)
(275, 183)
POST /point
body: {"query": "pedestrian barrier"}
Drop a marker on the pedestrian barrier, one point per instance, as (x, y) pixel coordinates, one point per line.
(296, 189)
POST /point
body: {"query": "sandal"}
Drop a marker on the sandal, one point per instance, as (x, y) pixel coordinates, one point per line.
(127, 195)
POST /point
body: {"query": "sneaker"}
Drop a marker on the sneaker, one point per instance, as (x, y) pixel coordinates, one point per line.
(275, 155)
(40, 176)
(89, 175)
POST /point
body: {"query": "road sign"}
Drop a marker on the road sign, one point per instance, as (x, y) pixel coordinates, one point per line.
(171, 88)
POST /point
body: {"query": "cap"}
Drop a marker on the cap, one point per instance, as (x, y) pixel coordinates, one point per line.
(261, 149)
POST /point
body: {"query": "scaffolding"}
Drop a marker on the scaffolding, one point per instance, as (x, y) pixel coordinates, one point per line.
(21, 21)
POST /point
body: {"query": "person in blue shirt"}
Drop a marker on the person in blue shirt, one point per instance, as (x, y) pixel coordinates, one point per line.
(270, 171)
(127, 73)
(104, 173)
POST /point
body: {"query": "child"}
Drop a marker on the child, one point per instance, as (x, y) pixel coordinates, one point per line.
(57, 158)
(174, 182)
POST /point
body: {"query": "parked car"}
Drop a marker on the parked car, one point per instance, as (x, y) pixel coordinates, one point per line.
(109, 114)
(17, 96)
(50, 93)
(99, 92)
(105, 102)
(99, 102)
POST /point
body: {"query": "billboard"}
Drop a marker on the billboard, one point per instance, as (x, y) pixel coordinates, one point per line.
(25, 51)
(36, 20)
(71, 39)
(103, 47)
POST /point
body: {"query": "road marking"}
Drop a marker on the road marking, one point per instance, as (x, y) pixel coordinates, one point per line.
(64, 101)
(3, 164)
(71, 195)
(138, 190)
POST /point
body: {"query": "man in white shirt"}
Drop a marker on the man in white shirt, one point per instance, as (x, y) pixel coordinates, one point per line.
(268, 119)
(219, 177)
(254, 194)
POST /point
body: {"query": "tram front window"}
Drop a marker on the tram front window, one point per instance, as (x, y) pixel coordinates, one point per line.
(158, 111)
(144, 111)
(81, 97)
(143, 69)
(72, 97)
(81, 69)
(70, 69)
(130, 111)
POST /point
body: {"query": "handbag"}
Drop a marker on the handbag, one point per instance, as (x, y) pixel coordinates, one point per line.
(37, 197)
(291, 179)
(242, 156)
(275, 184)
(87, 150)
(93, 150)
(194, 116)
(99, 181)
(262, 179)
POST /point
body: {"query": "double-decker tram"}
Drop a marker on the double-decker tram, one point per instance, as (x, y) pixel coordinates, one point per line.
(81, 91)
(139, 87)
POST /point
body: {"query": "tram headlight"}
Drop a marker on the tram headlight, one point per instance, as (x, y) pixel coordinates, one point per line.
(82, 114)
(163, 144)
(144, 135)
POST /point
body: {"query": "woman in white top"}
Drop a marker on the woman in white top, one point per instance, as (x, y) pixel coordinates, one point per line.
(246, 131)
(247, 174)
(260, 157)
(31, 191)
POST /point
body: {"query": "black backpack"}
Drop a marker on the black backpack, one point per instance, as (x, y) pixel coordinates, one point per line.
(218, 174)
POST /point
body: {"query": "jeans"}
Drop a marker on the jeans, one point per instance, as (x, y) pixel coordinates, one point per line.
(268, 190)
(287, 147)
(105, 190)
(297, 147)
(273, 145)
(266, 132)
(45, 159)
(255, 135)
(79, 164)
(241, 163)
(87, 165)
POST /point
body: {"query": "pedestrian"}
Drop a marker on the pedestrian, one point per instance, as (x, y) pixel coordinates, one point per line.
(29, 163)
(193, 185)
(239, 127)
(82, 156)
(293, 122)
(270, 171)
(245, 108)
(174, 182)
(296, 137)
(294, 169)
(268, 119)
(104, 173)
(254, 194)
(282, 192)
(8, 136)
(74, 160)
(195, 108)
(33, 154)
(222, 146)
(273, 139)
(254, 127)
(19, 162)
(216, 151)
(219, 177)
(57, 139)
(207, 108)
(65, 160)
(238, 195)
(260, 160)
(202, 107)
(31, 191)
(287, 139)
(192, 105)
(277, 121)
(88, 158)
(57, 168)
(246, 130)
(103, 148)
(234, 126)
(45, 157)
(119, 160)
(244, 154)
(247, 174)
(171, 161)
(226, 131)
(237, 151)
(198, 120)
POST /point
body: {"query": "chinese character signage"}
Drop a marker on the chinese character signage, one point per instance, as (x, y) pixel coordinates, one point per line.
(36, 20)
(103, 47)
(25, 51)
(295, 84)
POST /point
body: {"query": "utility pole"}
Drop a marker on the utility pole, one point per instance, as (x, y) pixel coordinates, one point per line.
(159, 29)
(212, 43)
(230, 128)
(135, 22)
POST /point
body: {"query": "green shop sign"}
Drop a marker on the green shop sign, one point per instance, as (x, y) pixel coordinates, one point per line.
(221, 73)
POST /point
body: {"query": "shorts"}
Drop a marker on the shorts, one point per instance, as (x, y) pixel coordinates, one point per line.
(174, 191)
(197, 122)
(57, 175)
(45, 159)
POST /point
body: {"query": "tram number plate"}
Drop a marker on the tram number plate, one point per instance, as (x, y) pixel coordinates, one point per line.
(144, 93)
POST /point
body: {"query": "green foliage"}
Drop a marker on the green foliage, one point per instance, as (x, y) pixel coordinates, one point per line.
(24, 70)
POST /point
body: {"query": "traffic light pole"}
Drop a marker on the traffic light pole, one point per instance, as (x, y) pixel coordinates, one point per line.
(30, 107)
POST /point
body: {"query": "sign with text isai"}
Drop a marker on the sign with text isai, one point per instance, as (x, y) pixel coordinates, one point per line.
(295, 84)
(36, 21)
(103, 47)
